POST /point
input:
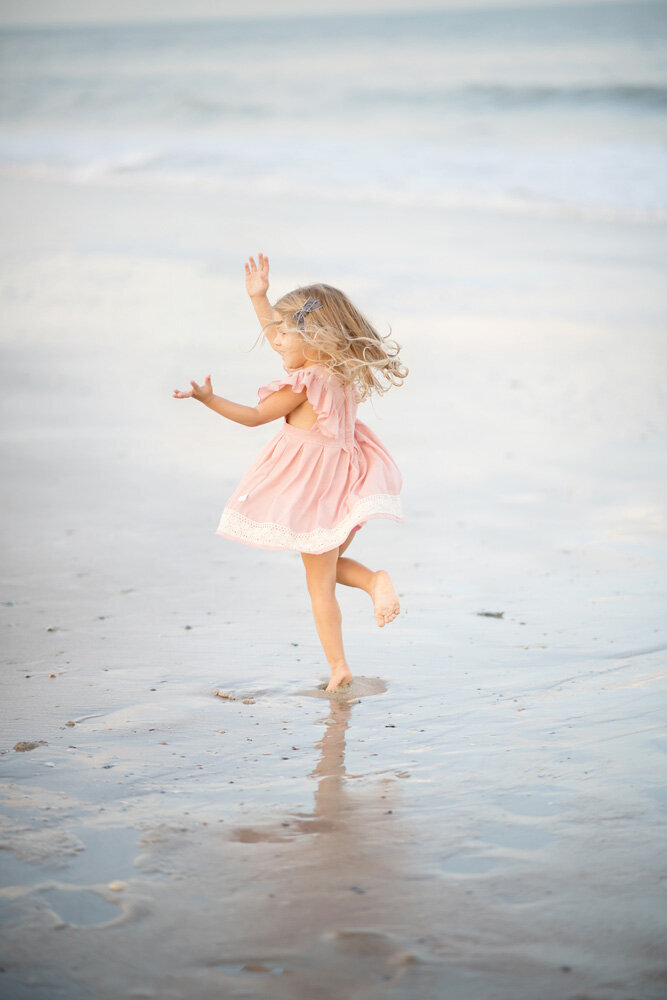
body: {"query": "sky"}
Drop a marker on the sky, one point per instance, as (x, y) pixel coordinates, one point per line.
(52, 12)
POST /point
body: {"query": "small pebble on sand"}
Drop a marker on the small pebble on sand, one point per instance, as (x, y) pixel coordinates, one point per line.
(224, 694)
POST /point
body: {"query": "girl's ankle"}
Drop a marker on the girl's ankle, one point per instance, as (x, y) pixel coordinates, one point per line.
(338, 665)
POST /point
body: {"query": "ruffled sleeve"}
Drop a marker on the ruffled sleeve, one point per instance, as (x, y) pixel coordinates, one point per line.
(325, 397)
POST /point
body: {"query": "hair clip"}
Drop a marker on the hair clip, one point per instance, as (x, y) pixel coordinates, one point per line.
(309, 306)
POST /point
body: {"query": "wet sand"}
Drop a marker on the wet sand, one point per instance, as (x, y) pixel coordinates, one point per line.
(483, 813)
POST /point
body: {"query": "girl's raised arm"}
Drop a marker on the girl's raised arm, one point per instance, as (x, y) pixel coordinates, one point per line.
(257, 287)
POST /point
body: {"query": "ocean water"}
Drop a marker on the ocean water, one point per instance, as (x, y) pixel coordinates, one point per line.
(553, 109)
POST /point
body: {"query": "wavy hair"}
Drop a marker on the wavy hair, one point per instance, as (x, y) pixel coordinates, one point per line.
(342, 340)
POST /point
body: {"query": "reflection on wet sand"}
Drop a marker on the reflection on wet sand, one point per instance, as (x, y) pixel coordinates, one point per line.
(330, 770)
(333, 894)
(320, 904)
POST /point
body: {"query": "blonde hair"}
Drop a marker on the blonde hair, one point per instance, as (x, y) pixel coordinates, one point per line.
(343, 341)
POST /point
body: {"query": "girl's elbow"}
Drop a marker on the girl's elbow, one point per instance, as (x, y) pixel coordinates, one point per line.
(255, 418)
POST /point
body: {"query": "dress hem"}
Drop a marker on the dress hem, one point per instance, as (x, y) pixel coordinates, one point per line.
(278, 537)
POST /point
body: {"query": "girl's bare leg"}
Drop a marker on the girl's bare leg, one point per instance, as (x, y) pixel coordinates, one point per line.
(321, 580)
(378, 585)
(345, 544)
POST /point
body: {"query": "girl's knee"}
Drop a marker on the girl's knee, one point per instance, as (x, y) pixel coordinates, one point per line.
(321, 588)
(320, 569)
(325, 608)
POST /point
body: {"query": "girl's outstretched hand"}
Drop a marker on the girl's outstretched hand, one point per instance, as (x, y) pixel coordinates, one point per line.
(257, 277)
(201, 392)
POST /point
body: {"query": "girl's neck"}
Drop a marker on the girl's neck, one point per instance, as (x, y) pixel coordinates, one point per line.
(307, 364)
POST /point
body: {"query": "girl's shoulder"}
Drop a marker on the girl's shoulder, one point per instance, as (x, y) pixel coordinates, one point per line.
(318, 374)
(324, 392)
(318, 371)
(340, 391)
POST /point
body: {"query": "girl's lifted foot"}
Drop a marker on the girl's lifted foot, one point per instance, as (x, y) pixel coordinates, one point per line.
(340, 676)
(385, 598)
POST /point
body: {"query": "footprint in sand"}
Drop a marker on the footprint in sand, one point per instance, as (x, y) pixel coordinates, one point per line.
(359, 687)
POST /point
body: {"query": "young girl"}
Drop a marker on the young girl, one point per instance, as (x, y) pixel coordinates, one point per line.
(325, 473)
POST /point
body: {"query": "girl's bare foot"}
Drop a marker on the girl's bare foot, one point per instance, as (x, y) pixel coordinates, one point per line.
(385, 598)
(339, 677)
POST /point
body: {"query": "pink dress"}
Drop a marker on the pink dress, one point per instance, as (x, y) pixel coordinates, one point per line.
(308, 489)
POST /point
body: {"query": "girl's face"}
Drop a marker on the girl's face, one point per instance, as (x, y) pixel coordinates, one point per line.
(290, 346)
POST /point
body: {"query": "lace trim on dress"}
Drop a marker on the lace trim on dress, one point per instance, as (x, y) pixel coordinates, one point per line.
(320, 539)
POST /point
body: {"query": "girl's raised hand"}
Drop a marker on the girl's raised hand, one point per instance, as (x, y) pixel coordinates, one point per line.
(257, 276)
(201, 392)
